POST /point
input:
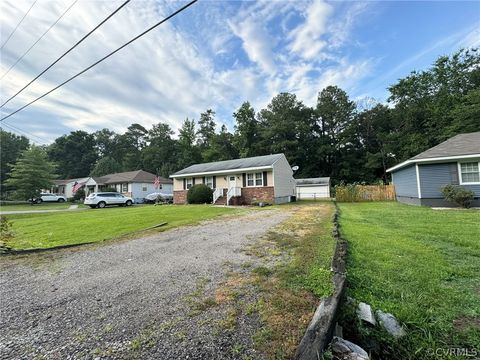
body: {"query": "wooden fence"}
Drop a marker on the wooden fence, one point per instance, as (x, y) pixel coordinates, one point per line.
(356, 193)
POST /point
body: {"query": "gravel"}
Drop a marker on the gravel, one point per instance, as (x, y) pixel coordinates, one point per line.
(130, 299)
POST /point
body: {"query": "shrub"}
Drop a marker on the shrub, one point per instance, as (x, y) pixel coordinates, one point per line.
(458, 195)
(6, 233)
(200, 194)
(80, 194)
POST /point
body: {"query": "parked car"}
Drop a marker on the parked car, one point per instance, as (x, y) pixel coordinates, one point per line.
(102, 199)
(48, 197)
(158, 197)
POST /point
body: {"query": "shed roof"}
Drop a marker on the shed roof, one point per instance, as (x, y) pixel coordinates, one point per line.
(130, 176)
(237, 164)
(313, 181)
(458, 147)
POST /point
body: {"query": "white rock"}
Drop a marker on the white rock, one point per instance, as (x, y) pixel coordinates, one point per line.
(346, 350)
(365, 313)
(390, 324)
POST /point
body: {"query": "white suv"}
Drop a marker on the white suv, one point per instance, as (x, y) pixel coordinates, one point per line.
(48, 197)
(102, 199)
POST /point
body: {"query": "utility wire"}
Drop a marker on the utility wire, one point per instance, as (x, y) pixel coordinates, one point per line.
(102, 59)
(16, 27)
(25, 133)
(40, 38)
(65, 53)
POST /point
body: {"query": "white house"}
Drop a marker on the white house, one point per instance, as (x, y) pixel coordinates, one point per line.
(136, 184)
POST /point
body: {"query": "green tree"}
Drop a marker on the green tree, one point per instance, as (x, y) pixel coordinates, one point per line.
(106, 165)
(11, 146)
(206, 131)
(246, 130)
(159, 156)
(74, 154)
(31, 173)
(221, 147)
(188, 153)
(132, 144)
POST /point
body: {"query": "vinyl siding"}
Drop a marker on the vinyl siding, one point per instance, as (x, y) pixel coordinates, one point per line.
(434, 176)
(138, 193)
(283, 180)
(405, 181)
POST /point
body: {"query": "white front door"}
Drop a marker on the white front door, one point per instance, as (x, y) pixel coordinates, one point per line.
(232, 182)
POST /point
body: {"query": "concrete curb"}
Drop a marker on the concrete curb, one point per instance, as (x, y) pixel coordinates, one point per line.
(320, 331)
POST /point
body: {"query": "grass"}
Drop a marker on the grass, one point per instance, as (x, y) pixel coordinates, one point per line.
(43, 206)
(421, 265)
(296, 273)
(47, 230)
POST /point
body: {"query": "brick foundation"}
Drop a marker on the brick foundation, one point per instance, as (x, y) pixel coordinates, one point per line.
(252, 194)
(180, 197)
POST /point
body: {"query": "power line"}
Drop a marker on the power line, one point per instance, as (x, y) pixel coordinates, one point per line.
(102, 59)
(65, 53)
(40, 38)
(25, 133)
(16, 27)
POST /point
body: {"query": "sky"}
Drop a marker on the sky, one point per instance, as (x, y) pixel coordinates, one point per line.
(215, 54)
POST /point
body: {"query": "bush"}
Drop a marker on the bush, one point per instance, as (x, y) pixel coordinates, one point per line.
(200, 194)
(80, 194)
(6, 233)
(458, 195)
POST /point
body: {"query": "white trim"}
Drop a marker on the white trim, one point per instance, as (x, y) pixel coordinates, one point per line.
(222, 172)
(414, 161)
(254, 179)
(419, 189)
(460, 180)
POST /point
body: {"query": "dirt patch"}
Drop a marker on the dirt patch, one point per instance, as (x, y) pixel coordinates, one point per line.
(465, 323)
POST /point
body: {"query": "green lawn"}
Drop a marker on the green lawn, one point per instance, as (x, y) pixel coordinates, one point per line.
(43, 206)
(421, 265)
(76, 227)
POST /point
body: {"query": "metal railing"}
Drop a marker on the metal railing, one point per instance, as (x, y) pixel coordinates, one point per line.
(217, 194)
(232, 192)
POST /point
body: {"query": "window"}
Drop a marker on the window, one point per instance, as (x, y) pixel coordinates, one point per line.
(255, 179)
(209, 181)
(469, 173)
(124, 187)
(189, 183)
(144, 187)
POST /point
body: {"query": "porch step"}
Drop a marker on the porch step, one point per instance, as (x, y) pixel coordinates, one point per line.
(221, 200)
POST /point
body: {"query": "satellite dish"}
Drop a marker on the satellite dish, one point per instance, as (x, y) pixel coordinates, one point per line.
(295, 168)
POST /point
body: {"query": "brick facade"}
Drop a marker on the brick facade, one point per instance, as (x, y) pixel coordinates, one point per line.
(180, 196)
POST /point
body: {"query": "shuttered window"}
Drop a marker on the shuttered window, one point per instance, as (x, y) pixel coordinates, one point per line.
(189, 183)
(255, 179)
(209, 181)
(470, 172)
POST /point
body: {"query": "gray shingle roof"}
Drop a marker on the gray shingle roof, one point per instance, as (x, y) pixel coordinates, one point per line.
(237, 164)
(313, 181)
(462, 144)
(130, 176)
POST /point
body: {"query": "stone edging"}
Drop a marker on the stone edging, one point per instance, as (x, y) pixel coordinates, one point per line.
(320, 331)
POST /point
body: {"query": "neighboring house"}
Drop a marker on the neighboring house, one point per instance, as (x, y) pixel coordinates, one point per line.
(313, 188)
(456, 161)
(239, 182)
(136, 184)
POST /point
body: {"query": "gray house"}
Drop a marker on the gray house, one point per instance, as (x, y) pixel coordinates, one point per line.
(455, 161)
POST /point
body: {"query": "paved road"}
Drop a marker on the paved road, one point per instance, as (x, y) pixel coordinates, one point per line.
(127, 299)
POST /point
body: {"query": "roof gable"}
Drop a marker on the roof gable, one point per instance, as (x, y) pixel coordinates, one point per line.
(227, 165)
(462, 144)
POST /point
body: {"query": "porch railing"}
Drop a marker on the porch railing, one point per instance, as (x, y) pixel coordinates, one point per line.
(232, 192)
(217, 193)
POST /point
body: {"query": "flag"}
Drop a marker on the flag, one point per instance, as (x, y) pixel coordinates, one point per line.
(156, 182)
(76, 187)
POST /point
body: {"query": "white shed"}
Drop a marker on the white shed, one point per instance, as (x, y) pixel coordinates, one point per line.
(313, 188)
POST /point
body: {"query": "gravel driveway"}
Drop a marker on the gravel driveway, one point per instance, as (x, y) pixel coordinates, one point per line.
(128, 299)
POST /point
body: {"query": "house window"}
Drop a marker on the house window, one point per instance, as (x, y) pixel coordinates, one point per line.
(469, 173)
(144, 187)
(209, 181)
(124, 187)
(255, 179)
(189, 183)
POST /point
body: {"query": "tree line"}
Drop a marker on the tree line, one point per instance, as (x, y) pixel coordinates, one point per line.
(338, 137)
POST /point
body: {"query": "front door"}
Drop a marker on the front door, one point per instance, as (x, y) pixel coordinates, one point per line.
(232, 182)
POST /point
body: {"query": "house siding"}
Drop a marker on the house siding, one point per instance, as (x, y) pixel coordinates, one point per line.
(283, 181)
(435, 176)
(405, 181)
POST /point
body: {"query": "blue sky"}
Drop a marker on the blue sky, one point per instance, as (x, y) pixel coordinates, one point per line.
(216, 55)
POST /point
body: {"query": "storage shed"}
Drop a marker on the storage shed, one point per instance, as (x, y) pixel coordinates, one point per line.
(313, 188)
